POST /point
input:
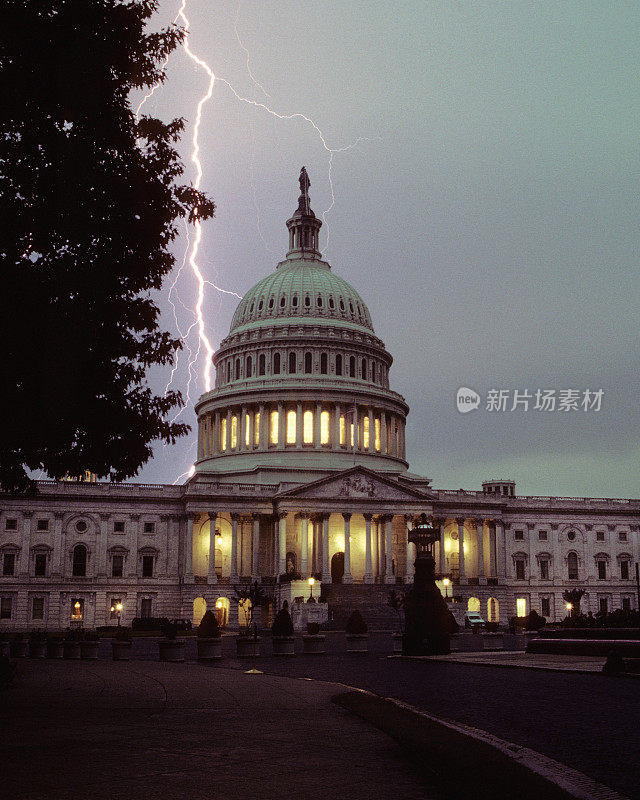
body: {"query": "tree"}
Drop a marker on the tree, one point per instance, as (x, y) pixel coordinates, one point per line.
(573, 598)
(89, 206)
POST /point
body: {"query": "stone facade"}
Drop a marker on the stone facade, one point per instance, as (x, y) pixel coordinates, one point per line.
(301, 469)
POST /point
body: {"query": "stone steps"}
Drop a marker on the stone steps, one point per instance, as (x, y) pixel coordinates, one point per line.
(371, 600)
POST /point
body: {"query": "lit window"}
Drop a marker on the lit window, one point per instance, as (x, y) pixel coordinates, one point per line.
(307, 420)
(521, 607)
(247, 432)
(223, 434)
(273, 435)
(291, 427)
(324, 427)
(343, 432)
(256, 430)
(365, 433)
(377, 434)
(234, 432)
(352, 436)
(77, 609)
(115, 609)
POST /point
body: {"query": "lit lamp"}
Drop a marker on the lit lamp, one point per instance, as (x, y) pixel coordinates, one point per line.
(76, 609)
(311, 582)
(117, 609)
(569, 607)
(446, 582)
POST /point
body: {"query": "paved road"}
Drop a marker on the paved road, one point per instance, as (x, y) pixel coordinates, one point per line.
(589, 722)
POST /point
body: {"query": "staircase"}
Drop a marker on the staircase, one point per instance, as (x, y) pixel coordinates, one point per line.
(370, 600)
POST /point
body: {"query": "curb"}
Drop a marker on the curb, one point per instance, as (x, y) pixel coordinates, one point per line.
(469, 762)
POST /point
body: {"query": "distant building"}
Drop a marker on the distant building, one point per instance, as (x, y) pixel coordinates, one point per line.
(301, 468)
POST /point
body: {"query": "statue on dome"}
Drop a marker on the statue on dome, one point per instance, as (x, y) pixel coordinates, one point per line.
(303, 201)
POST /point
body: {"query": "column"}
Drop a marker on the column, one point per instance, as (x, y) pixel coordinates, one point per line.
(242, 428)
(326, 570)
(480, 534)
(410, 551)
(252, 428)
(443, 562)
(21, 568)
(101, 547)
(372, 432)
(368, 569)
(500, 551)
(316, 426)
(382, 557)
(281, 427)
(228, 435)
(188, 552)
(388, 549)
(282, 543)
(304, 542)
(383, 432)
(263, 431)
(211, 576)
(234, 548)
(375, 535)
(356, 440)
(492, 549)
(463, 573)
(255, 547)
(347, 577)
(336, 427)
(557, 558)
(299, 425)
(216, 433)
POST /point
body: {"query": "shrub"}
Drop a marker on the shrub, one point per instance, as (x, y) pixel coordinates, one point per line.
(170, 630)
(148, 623)
(356, 624)
(122, 634)
(282, 624)
(533, 622)
(491, 627)
(313, 629)
(208, 627)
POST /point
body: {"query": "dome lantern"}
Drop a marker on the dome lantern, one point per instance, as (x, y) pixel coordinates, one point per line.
(304, 226)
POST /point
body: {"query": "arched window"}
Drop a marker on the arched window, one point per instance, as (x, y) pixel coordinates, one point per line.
(237, 369)
(234, 432)
(292, 363)
(373, 372)
(323, 364)
(291, 427)
(307, 301)
(473, 604)
(338, 364)
(249, 367)
(307, 420)
(308, 363)
(283, 300)
(223, 434)
(319, 302)
(261, 364)
(324, 427)
(332, 304)
(276, 363)
(294, 301)
(572, 566)
(79, 561)
(228, 371)
(364, 369)
(352, 367)
(273, 433)
(365, 433)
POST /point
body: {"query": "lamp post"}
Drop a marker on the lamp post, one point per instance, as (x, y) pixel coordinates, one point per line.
(569, 607)
(446, 583)
(311, 582)
(117, 609)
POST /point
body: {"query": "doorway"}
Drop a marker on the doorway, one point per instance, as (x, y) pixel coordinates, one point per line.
(337, 567)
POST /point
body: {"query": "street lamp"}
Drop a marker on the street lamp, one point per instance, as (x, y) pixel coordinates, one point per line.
(446, 582)
(312, 580)
(569, 607)
(117, 609)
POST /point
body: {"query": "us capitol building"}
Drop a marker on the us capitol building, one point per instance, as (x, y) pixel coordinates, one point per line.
(301, 468)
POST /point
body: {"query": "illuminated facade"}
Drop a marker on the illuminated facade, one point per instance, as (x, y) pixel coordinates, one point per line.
(301, 468)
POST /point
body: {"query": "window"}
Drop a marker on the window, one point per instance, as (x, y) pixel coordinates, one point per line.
(40, 565)
(352, 367)
(626, 604)
(365, 433)
(603, 605)
(118, 526)
(146, 608)
(292, 363)
(249, 367)
(544, 569)
(42, 525)
(261, 364)
(599, 536)
(332, 304)
(256, 430)
(9, 564)
(622, 536)
(624, 570)
(518, 536)
(276, 363)
(542, 536)
(77, 609)
(364, 369)
(571, 536)
(247, 431)
(307, 301)
(237, 369)
(37, 608)
(308, 363)
(307, 426)
(81, 526)
(117, 566)
(377, 434)
(324, 427)
(79, 568)
(343, 433)
(572, 566)
(521, 607)
(273, 433)
(338, 364)
(319, 301)
(294, 301)
(147, 566)
(520, 569)
(115, 608)
(149, 527)
(234, 432)
(602, 569)
(11, 524)
(324, 364)
(5, 607)
(223, 434)
(545, 606)
(291, 427)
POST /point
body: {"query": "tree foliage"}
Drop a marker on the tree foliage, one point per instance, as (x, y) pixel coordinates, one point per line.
(89, 204)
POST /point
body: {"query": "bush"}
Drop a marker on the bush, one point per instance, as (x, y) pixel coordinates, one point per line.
(313, 629)
(122, 634)
(491, 627)
(533, 621)
(170, 630)
(356, 624)
(282, 624)
(149, 623)
(208, 627)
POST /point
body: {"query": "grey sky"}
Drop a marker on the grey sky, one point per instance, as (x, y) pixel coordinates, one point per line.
(490, 219)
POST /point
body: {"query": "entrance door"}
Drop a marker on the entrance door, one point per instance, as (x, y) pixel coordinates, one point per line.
(337, 567)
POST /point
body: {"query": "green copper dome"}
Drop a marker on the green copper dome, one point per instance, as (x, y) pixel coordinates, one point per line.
(301, 290)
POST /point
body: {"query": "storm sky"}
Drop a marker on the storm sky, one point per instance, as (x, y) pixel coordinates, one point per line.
(488, 216)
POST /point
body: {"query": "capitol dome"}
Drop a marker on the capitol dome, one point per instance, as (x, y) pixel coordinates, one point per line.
(302, 381)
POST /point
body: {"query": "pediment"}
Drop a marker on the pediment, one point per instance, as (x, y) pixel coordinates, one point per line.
(357, 483)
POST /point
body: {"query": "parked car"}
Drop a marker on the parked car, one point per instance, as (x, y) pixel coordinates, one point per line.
(472, 619)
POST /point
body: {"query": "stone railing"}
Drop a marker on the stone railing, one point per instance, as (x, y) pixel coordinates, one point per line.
(536, 500)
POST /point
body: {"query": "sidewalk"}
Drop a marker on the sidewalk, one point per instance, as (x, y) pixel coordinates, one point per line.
(120, 730)
(520, 659)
